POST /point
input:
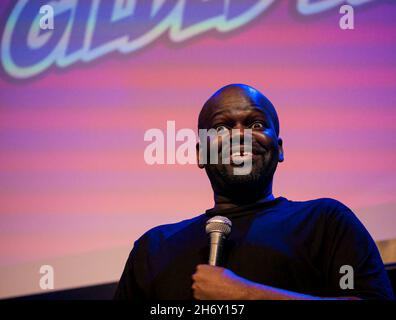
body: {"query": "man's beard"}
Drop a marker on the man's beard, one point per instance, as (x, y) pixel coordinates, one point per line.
(227, 174)
(242, 187)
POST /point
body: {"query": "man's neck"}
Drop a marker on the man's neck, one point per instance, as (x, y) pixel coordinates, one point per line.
(225, 202)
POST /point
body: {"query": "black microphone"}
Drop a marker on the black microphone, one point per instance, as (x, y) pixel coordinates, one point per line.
(218, 228)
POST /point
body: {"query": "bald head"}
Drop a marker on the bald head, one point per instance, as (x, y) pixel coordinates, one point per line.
(230, 111)
(236, 95)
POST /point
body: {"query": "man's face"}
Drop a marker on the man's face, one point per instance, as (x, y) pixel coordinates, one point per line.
(230, 114)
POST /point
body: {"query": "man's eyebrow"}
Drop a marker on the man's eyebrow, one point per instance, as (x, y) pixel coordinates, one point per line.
(217, 113)
(249, 119)
(257, 109)
(260, 110)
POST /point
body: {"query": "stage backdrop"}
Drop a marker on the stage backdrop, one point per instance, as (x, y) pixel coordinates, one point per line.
(76, 101)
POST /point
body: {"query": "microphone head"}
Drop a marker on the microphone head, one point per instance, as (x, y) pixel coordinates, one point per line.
(218, 224)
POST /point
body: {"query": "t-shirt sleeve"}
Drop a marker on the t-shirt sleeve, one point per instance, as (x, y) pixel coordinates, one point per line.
(349, 244)
(132, 284)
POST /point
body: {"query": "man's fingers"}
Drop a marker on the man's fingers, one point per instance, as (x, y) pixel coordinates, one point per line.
(207, 267)
(202, 267)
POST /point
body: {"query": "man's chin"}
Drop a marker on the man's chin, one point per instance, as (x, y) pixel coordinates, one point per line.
(231, 179)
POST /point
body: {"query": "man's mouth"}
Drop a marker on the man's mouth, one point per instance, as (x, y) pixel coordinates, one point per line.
(239, 158)
(241, 155)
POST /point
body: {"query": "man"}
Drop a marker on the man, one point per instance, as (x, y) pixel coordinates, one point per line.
(278, 249)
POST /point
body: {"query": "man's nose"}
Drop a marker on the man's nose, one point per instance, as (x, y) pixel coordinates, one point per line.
(241, 132)
(239, 126)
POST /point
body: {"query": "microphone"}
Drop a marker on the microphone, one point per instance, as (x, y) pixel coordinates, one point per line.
(218, 228)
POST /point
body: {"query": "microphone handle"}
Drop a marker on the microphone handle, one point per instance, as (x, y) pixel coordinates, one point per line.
(216, 248)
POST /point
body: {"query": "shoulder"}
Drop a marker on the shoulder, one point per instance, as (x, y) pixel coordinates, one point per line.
(326, 207)
(337, 218)
(167, 230)
(156, 236)
(328, 204)
(325, 212)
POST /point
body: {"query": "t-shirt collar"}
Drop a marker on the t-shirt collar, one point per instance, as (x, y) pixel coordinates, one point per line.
(244, 209)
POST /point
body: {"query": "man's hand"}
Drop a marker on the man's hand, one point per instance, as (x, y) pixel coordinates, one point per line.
(216, 283)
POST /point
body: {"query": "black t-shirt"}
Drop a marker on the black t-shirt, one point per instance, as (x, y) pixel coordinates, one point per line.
(292, 245)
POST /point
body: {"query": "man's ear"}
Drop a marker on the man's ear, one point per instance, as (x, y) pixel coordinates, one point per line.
(280, 148)
(199, 155)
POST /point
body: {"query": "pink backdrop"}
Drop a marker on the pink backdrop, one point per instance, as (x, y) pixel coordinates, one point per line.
(74, 186)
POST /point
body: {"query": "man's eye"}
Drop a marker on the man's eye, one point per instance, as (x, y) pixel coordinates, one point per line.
(221, 129)
(257, 125)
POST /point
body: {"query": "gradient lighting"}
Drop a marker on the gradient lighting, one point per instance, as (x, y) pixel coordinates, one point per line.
(76, 192)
